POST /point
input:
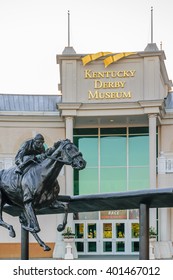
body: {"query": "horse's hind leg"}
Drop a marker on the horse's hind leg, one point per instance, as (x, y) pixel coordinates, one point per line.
(23, 221)
(2, 223)
(40, 242)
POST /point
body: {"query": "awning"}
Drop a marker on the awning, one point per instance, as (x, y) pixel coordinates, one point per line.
(154, 198)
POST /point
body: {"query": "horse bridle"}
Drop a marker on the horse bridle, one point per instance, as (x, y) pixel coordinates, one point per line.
(71, 157)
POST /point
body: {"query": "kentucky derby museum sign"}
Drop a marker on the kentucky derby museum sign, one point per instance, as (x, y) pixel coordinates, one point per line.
(114, 82)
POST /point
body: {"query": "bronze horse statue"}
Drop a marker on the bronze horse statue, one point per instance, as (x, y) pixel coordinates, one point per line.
(41, 180)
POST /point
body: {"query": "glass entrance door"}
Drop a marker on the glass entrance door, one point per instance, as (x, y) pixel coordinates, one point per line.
(107, 237)
(87, 237)
(113, 237)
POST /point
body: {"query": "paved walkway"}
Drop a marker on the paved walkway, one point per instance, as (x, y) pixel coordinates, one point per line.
(108, 257)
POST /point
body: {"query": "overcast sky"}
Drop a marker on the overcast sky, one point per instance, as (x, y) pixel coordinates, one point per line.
(32, 32)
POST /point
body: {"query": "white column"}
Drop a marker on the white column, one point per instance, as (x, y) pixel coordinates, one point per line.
(152, 149)
(152, 161)
(69, 127)
(69, 178)
(59, 250)
(69, 169)
(165, 225)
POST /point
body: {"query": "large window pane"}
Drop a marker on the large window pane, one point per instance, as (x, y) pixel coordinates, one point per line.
(113, 179)
(138, 150)
(117, 159)
(88, 181)
(113, 151)
(138, 178)
(89, 148)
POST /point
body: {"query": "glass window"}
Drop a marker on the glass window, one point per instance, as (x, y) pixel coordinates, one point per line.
(107, 246)
(120, 230)
(80, 247)
(138, 150)
(135, 230)
(89, 148)
(117, 160)
(113, 130)
(135, 246)
(113, 151)
(92, 247)
(107, 230)
(138, 178)
(92, 231)
(138, 130)
(85, 131)
(79, 230)
(120, 246)
(88, 181)
(113, 179)
(134, 214)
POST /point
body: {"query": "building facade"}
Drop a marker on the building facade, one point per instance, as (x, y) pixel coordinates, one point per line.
(117, 108)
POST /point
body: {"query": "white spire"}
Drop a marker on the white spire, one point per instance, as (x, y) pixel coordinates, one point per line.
(68, 50)
(68, 28)
(151, 47)
(151, 25)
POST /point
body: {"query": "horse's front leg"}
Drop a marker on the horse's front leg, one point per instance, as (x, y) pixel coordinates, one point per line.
(65, 206)
(4, 224)
(61, 227)
(32, 223)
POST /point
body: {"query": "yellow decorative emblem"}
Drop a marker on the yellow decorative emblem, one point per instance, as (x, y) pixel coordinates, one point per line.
(90, 57)
(108, 60)
(116, 57)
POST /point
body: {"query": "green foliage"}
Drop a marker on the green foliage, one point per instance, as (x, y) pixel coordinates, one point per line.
(68, 233)
(152, 232)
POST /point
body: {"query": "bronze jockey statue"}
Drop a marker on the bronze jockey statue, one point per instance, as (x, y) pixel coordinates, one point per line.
(29, 151)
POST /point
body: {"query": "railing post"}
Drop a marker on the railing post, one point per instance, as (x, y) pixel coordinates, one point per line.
(143, 232)
(24, 244)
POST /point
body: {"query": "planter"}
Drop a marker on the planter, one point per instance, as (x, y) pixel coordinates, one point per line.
(69, 252)
(68, 239)
(152, 241)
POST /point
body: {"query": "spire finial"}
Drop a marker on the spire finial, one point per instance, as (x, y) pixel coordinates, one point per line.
(161, 45)
(68, 28)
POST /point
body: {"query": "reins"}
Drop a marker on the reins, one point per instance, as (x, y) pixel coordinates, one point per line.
(58, 158)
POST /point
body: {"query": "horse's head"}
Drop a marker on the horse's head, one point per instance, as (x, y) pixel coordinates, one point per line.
(69, 154)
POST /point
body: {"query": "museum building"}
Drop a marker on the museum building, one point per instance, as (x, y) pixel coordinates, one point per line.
(118, 110)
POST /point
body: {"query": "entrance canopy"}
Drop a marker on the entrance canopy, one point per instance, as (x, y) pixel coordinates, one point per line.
(144, 199)
(153, 198)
